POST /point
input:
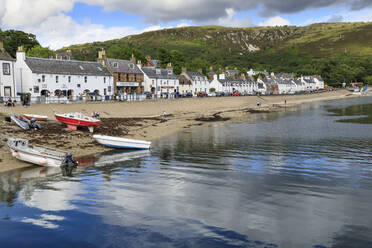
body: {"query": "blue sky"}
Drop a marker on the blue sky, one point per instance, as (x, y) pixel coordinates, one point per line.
(59, 23)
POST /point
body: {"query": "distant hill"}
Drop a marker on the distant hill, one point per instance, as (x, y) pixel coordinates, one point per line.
(217, 44)
(314, 49)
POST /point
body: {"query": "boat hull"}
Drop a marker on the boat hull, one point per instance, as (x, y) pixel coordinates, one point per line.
(77, 122)
(122, 143)
(36, 117)
(36, 159)
(21, 123)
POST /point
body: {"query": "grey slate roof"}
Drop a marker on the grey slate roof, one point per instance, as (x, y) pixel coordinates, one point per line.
(193, 75)
(124, 66)
(151, 73)
(66, 67)
(298, 82)
(4, 55)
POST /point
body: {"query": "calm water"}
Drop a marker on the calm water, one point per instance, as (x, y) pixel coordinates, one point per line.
(295, 179)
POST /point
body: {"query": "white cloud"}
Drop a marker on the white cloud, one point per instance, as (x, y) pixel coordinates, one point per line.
(61, 30)
(25, 13)
(275, 21)
(363, 15)
(231, 20)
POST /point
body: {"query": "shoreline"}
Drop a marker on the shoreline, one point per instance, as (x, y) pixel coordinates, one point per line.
(141, 120)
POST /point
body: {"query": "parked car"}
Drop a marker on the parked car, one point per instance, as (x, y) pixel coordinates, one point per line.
(202, 94)
(93, 96)
(212, 94)
(220, 93)
(188, 94)
(148, 94)
(236, 93)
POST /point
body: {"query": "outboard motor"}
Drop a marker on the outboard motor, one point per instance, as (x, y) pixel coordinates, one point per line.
(34, 124)
(68, 165)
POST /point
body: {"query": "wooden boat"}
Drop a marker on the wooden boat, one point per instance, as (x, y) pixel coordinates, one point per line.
(117, 142)
(20, 121)
(36, 117)
(74, 120)
(39, 155)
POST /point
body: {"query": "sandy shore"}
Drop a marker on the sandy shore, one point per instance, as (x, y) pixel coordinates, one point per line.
(140, 120)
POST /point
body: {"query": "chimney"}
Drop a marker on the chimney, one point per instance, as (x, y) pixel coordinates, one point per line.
(21, 55)
(102, 57)
(184, 69)
(169, 66)
(139, 64)
(69, 54)
(200, 71)
(133, 59)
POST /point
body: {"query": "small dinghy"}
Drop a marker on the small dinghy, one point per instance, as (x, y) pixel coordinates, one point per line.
(117, 142)
(39, 155)
(24, 123)
(36, 117)
(74, 120)
(20, 121)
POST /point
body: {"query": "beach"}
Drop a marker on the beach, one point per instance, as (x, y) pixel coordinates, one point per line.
(147, 120)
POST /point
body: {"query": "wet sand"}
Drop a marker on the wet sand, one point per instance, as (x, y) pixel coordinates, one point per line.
(140, 120)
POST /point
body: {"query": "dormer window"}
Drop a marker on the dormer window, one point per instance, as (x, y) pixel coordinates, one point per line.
(115, 64)
(158, 71)
(131, 66)
(170, 72)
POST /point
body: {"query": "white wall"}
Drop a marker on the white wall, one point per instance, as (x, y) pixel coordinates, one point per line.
(26, 81)
(7, 80)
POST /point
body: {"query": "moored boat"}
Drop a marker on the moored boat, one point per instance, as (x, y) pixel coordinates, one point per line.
(20, 121)
(116, 142)
(39, 155)
(74, 120)
(36, 117)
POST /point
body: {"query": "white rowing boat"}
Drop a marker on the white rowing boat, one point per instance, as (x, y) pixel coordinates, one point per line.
(38, 155)
(116, 142)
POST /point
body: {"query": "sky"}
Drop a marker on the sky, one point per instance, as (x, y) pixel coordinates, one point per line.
(60, 23)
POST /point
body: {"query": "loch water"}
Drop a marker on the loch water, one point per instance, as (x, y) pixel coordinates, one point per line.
(298, 178)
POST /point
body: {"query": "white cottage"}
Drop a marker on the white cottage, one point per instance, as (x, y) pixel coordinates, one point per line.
(57, 78)
(7, 83)
(200, 83)
(161, 82)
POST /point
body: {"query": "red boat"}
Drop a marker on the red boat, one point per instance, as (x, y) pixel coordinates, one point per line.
(74, 120)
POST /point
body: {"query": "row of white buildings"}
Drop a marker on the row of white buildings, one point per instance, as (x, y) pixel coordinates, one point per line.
(63, 77)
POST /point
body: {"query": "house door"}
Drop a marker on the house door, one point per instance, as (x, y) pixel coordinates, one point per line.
(8, 91)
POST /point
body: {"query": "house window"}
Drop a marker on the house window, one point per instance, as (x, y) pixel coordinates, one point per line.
(78, 85)
(69, 79)
(56, 79)
(86, 79)
(36, 89)
(115, 64)
(109, 88)
(6, 68)
(43, 78)
(104, 80)
(119, 77)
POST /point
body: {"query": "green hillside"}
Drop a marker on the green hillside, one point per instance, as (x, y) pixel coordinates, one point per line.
(337, 51)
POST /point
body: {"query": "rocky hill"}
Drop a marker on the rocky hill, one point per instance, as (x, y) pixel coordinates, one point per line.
(337, 51)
